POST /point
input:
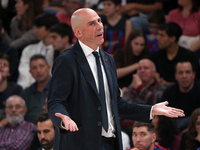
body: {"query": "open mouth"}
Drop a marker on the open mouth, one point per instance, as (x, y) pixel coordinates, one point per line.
(99, 35)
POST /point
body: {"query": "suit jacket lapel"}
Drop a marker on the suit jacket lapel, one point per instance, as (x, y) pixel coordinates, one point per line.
(107, 68)
(83, 63)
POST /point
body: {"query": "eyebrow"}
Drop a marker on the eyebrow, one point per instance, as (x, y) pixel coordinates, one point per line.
(93, 21)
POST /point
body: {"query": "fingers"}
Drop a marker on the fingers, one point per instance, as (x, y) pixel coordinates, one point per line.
(68, 122)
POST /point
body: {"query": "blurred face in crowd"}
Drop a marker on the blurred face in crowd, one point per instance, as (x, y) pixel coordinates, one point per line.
(88, 28)
(40, 70)
(41, 32)
(46, 133)
(185, 76)
(57, 41)
(143, 139)
(138, 45)
(153, 28)
(15, 110)
(4, 68)
(146, 70)
(20, 7)
(184, 3)
(109, 8)
(70, 6)
(164, 41)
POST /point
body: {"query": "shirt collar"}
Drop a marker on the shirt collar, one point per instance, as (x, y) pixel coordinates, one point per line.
(86, 49)
(34, 86)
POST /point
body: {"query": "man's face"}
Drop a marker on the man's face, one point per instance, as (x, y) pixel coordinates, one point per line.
(15, 110)
(41, 32)
(40, 70)
(91, 32)
(46, 133)
(184, 75)
(109, 8)
(70, 6)
(20, 7)
(143, 139)
(146, 70)
(57, 41)
(4, 68)
(164, 41)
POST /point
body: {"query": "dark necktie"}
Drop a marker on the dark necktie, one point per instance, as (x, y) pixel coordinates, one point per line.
(101, 92)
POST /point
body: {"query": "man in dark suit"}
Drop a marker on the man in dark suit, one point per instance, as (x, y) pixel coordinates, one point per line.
(84, 109)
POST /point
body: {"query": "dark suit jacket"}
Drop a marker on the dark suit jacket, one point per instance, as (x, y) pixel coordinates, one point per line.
(73, 92)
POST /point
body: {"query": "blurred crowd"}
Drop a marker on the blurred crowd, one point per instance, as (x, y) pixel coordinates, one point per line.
(156, 48)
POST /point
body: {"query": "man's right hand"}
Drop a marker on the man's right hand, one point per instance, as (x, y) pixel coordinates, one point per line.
(69, 124)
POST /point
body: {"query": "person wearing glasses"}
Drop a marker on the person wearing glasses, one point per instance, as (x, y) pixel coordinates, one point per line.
(17, 133)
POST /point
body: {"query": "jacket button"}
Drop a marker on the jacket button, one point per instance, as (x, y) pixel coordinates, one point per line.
(99, 108)
(99, 123)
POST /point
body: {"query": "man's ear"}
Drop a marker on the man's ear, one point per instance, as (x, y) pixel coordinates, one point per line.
(77, 33)
(153, 137)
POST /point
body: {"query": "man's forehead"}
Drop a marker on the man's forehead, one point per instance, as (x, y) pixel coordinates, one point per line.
(140, 129)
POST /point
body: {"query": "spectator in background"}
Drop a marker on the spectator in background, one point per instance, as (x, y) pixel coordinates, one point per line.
(166, 132)
(45, 131)
(69, 6)
(116, 27)
(12, 53)
(144, 137)
(170, 53)
(43, 24)
(187, 11)
(191, 138)
(155, 19)
(7, 12)
(127, 59)
(64, 16)
(22, 32)
(52, 6)
(185, 93)
(144, 88)
(7, 88)
(139, 11)
(17, 134)
(36, 94)
(61, 37)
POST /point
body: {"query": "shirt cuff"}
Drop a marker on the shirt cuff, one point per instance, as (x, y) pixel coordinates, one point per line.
(151, 116)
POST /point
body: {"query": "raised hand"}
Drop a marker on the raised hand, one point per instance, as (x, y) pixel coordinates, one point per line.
(162, 109)
(68, 122)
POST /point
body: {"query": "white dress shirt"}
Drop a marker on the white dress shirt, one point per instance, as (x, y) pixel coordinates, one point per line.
(92, 63)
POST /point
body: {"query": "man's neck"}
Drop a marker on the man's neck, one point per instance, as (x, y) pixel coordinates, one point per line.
(67, 46)
(42, 85)
(186, 90)
(149, 83)
(3, 85)
(172, 51)
(46, 41)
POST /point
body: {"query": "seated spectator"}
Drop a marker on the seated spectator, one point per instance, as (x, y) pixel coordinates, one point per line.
(36, 94)
(144, 88)
(116, 26)
(191, 138)
(187, 11)
(52, 6)
(126, 59)
(155, 18)
(166, 132)
(144, 137)
(61, 37)
(45, 131)
(43, 24)
(22, 31)
(139, 11)
(170, 53)
(17, 134)
(64, 16)
(7, 88)
(185, 93)
(12, 53)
